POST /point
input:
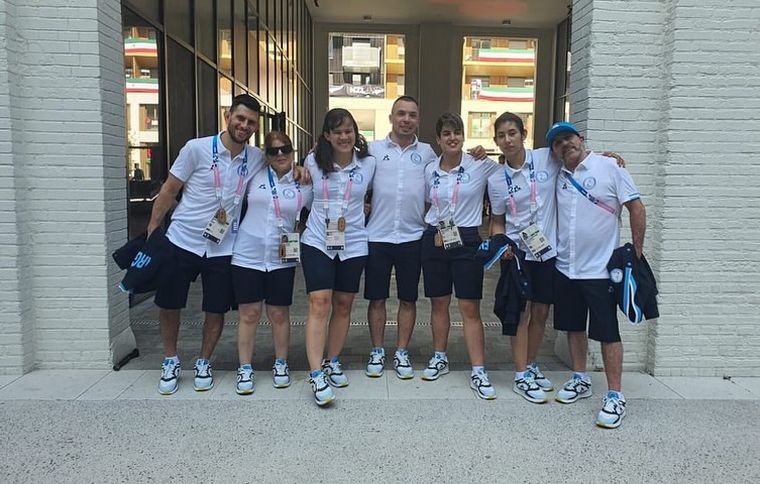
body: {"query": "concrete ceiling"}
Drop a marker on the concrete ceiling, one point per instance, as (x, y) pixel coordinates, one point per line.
(486, 13)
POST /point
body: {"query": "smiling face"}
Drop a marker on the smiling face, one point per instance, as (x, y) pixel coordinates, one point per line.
(450, 139)
(342, 138)
(242, 122)
(509, 139)
(404, 118)
(568, 147)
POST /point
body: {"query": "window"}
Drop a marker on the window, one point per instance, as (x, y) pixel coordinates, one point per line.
(148, 117)
(480, 125)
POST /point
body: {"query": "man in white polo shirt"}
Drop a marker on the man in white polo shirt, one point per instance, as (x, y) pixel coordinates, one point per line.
(395, 231)
(214, 173)
(591, 191)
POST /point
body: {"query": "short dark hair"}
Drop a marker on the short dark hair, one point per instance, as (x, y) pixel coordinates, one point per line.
(245, 100)
(404, 98)
(323, 155)
(508, 118)
(451, 120)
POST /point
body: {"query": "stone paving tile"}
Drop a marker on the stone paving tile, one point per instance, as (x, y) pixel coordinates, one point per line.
(6, 379)
(51, 385)
(454, 386)
(112, 385)
(706, 388)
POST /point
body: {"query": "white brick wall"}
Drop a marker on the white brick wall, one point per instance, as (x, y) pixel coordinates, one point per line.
(65, 178)
(674, 87)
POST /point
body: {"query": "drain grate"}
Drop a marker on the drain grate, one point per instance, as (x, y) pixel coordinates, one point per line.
(199, 322)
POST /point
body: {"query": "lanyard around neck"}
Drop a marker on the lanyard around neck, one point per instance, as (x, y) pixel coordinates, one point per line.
(533, 191)
(346, 195)
(242, 173)
(276, 200)
(454, 192)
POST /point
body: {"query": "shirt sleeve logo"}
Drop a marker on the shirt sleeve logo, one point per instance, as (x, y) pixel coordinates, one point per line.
(589, 183)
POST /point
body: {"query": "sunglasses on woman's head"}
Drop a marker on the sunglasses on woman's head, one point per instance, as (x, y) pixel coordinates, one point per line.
(276, 150)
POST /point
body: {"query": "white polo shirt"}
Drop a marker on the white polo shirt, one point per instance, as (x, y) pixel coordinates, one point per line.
(586, 233)
(257, 245)
(398, 191)
(337, 184)
(198, 203)
(471, 176)
(545, 171)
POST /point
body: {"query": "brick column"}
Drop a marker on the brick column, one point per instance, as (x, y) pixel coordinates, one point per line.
(62, 164)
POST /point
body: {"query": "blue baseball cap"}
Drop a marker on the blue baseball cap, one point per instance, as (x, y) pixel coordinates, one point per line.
(557, 128)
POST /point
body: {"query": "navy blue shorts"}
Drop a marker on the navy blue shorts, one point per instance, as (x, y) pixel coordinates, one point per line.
(406, 258)
(216, 279)
(321, 272)
(541, 279)
(274, 287)
(579, 300)
(454, 267)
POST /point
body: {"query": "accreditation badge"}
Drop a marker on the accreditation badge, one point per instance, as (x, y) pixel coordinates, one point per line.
(535, 241)
(290, 247)
(217, 227)
(449, 234)
(335, 237)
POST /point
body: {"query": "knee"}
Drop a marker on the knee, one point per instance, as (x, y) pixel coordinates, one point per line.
(250, 316)
(375, 304)
(342, 304)
(319, 304)
(470, 309)
(440, 303)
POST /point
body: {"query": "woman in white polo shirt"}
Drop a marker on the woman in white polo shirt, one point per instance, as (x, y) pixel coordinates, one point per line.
(334, 249)
(264, 258)
(454, 188)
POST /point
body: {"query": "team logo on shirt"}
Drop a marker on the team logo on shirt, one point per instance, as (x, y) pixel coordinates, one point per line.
(416, 158)
(542, 176)
(386, 158)
(289, 193)
(616, 275)
(358, 178)
(589, 183)
(465, 177)
(243, 170)
(263, 187)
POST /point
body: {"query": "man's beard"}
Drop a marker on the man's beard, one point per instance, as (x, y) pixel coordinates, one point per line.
(235, 138)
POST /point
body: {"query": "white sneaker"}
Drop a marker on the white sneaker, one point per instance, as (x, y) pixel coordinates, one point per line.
(402, 365)
(280, 374)
(323, 393)
(574, 389)
(204, 378)
(527, 388)
(481, 386)
(540, 379)
(436, 367)
(334, 372)
(612, 412)
(376, 364)
(169, 381)
(244, 380)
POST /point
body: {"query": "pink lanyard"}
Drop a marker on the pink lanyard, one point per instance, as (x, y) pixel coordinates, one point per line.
(242, 172)
(346, 195)
(454, 195)
(533, 192)
(276, 200)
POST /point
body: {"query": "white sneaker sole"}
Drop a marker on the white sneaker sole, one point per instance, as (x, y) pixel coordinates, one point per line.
(605, 425)
(323, 403)
(203, 389)
(480, 395)
(528, 397)
(374, 374)
(170, 392)
(437, 375)
(405, 377)
(281, 385)
(566, 402)
(243, 392)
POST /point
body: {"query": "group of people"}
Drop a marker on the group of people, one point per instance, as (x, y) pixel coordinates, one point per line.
(393, 204)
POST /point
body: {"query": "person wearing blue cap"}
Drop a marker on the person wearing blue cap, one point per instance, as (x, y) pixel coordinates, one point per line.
(591, 191)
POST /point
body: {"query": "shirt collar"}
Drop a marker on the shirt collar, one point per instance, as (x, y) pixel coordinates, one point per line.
(464, 164)
(221, 148)
(391, 144)
(355, 162)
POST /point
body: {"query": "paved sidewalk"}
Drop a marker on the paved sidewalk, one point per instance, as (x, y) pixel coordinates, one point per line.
(105, 426)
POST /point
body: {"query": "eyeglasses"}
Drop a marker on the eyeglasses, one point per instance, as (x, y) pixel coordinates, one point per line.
(276, 150)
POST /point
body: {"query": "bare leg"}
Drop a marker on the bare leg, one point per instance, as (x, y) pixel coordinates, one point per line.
(440, 321)
(316, 326)
(538, 314)
(249, 321)
(520, 341)
(577, 341)
(612, 354)
(474, 335)
(340, 320)
(407, 314)
(279, 317)
(212, 330)
(377, 319)
(169, 325)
